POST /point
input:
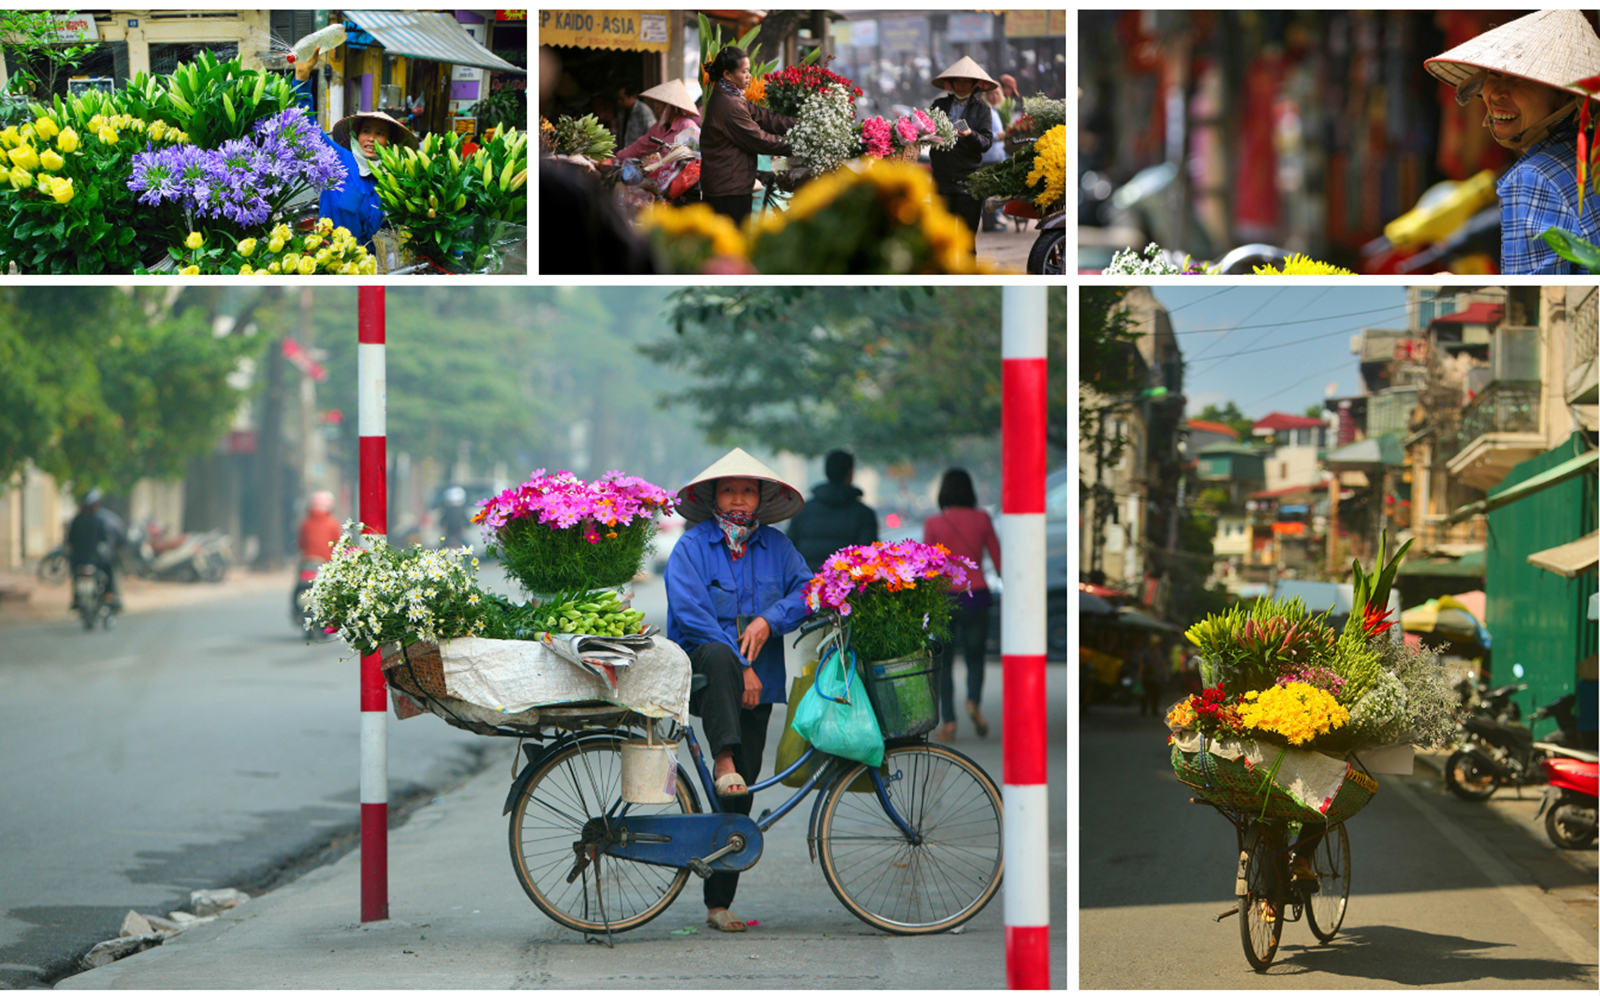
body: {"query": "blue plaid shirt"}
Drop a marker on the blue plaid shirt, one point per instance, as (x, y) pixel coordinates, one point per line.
(1540, 192)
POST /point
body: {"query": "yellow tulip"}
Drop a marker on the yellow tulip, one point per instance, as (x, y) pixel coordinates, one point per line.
(51, 160)
(247, 247)
(45, 128)
(281, 232)
(20, 178)
(291, 262)
(24, 156)
(107, 136)
(26, 130)
(62, 190)
(312, 241)
(195, 240)
(276, 267)
(342, 233)
(308, 266)
(246, 270)
(67, 141)
(9, 138)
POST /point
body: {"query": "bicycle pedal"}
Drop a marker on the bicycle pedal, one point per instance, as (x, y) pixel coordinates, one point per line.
(699, 867)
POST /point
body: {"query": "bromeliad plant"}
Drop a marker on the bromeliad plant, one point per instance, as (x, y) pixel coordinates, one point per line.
(559, 533)
(894, 595)
(1278, 673)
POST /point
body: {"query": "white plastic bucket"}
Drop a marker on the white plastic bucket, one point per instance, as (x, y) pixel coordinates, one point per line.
(649, 773)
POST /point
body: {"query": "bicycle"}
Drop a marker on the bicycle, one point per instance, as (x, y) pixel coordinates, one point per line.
(1277, 882)
(911, 847)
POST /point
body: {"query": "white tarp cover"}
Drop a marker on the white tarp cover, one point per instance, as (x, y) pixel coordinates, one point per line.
(1311, 778)
(512, 676)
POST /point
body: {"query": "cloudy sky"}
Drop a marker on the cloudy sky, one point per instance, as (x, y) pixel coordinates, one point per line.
(1274, 348)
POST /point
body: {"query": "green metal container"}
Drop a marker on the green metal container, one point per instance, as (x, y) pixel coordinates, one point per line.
(903, 695)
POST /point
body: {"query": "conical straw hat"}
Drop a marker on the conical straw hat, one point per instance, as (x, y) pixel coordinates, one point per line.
(779, 501)
(1554, 47)
(966, 69)
(674, 94)
(342, 127)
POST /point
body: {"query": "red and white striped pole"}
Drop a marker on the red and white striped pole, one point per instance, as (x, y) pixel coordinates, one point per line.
(1022, 637)
(373, 428)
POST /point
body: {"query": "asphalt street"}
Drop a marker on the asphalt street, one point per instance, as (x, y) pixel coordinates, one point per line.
(1444, 893)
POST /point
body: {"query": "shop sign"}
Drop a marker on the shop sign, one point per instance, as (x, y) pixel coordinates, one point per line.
(907, 34)
(633, 30)
(859, 34)
(1027, 23)
(970, 28)
(511, 15)
(77, 28)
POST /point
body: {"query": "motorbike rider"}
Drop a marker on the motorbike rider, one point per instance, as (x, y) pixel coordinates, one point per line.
(90, 540)
(319, 530)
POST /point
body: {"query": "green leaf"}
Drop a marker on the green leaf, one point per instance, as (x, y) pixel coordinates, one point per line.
(1573, 249)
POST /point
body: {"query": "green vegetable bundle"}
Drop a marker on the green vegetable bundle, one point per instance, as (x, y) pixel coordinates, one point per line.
(584, 136)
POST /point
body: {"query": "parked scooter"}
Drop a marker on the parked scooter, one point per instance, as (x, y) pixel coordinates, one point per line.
(1501, 751)
(185, 557)
(1049, 252)
(91, 596)
(1569, 803)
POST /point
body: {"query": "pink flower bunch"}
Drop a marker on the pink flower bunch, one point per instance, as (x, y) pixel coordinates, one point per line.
(897, 565)
(562, 500)
(906, 131)
(875, 136)
(924, 123)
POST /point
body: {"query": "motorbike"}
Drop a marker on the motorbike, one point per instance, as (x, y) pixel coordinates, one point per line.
(299, 602)
(91, 596)
(56, 566)
(1049, 253)
(186, 557)
(1501, 751)
(1568, 807)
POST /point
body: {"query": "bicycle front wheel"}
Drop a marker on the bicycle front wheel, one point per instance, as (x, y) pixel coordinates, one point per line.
(1261, 907)
(944, 874)
(559, 823)
(1331, 861)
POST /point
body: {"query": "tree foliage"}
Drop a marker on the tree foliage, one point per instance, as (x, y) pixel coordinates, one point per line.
(1230, 416)
(891, 373)
(107, 385)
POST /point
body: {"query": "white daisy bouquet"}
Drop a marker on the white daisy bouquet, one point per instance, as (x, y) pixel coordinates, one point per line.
(944, 132)
(378, 594)
(826, 134)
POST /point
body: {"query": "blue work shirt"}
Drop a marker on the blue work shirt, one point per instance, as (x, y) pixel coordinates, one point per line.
(355, 204)
(1540, 192)
(707, 590)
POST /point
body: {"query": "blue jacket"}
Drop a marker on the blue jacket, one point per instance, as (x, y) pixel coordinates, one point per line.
(707, 590)
(354, 205)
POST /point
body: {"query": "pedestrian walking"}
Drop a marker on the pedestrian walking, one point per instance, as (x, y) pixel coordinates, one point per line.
(972, 118)
(835, 517)
(966, 530)
(634, 116)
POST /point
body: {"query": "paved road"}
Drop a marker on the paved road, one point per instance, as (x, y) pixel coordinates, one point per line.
(1444, 893)
(202, 745)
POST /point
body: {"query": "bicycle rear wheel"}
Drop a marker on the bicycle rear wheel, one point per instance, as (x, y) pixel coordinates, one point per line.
(1261, 907)
(945, 875)
(559, 820)
(1331, 861)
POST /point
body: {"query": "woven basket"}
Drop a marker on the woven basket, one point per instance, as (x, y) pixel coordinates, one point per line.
(416, 669)
(1235, 785)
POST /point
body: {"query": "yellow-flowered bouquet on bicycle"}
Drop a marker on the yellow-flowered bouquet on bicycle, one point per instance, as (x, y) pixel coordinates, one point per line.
(1291, 707)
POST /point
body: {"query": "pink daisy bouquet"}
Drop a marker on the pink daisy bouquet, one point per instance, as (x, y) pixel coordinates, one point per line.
(895, 595)
(557, 532)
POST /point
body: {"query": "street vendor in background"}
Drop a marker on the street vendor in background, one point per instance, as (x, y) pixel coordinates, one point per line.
(972, 118)
(733, 135)
(734, 586)
(677, 120)
(1522, 70)
(354, 205)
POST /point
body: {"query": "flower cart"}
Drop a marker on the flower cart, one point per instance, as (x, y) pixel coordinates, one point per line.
(1032, 182)
(1284, 738)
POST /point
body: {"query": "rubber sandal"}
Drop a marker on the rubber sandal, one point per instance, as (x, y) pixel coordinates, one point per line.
(978, 722)
(731, 784)
(726, 922)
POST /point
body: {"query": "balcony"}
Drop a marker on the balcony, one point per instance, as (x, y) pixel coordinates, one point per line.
(1583, 384)
(1499, 429)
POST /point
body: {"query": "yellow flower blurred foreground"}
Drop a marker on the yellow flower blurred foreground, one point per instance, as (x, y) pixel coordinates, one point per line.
(1303, 266)
(1297, 711)
(1050, 167)
(719, 231)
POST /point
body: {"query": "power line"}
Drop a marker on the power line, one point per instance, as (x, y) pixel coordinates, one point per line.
(1246, 318)
(1301, 321)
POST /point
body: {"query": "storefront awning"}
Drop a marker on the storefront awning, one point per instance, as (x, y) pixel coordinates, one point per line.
(627, 30)
(1555, 475)
(1570, 559)
(432, 36)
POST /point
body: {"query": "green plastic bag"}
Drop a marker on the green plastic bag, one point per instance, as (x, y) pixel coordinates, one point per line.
(836, 714)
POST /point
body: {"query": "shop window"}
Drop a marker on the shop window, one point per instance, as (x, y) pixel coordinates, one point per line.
(167, 56)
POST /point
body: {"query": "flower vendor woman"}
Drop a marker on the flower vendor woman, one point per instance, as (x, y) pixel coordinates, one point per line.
(972, 118)
(734, 132)
(733, 583)
(355, 139)
(677, 119)
(1523, 71)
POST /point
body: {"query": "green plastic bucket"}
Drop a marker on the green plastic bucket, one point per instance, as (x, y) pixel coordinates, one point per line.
(903, 695)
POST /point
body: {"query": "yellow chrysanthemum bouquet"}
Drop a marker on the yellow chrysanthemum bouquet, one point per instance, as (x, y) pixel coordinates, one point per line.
(1288, 698)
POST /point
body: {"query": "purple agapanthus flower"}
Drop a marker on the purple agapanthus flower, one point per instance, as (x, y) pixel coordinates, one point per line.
(294, 150)
(165, 174)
